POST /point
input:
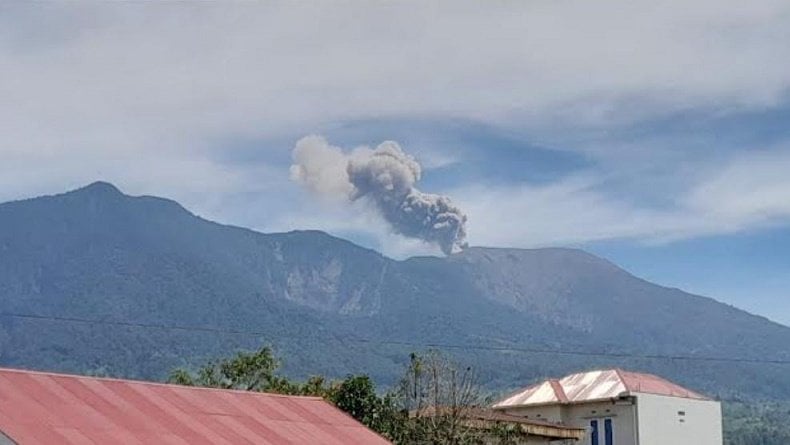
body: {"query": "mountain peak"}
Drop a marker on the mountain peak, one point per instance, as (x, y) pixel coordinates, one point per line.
(100, 188)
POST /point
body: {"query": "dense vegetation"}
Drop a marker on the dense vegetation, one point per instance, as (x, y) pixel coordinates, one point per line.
(756, 423)
(404, 414)
(258, 371)
(387, 412)
(136, 286)
(334, 308)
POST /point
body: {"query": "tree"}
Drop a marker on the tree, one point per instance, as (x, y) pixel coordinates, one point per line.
(248, 371)
(438, 395)
(756, 423)
(357, 396)
(430, 405)
(257, 371)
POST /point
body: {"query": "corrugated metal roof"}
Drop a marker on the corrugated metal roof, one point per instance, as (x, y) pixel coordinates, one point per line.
(595, 385)
(42, 409)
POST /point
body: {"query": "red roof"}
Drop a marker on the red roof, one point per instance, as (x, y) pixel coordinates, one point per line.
(637, 382)
(42, 409)
(595, 385)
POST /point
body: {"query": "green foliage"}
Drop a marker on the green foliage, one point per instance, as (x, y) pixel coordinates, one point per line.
(432, 379)
(182, 377)
(96, 254)
(257, 371)
(753, 423)
(248, 371)
(357, 396)
(406, 416)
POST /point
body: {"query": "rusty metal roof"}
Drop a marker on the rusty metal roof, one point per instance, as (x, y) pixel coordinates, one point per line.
(42, 409)
(595, 385)
(487, 418)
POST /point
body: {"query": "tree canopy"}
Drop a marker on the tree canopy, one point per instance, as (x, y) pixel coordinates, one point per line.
(409, 413)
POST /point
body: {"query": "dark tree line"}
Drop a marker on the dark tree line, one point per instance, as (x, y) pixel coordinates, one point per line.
(756, 423)
(406, 414)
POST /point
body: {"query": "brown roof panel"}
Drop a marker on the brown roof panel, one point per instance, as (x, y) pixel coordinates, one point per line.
(45, 408)
(595, 385)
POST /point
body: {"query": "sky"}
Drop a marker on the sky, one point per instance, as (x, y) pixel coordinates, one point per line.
(654, 134)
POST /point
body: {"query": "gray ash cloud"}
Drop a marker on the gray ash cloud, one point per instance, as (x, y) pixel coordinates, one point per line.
(386, 177)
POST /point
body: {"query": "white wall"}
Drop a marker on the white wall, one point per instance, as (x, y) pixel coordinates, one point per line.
(647, 420)
(546, 413)
(661, 421)
(621, 413)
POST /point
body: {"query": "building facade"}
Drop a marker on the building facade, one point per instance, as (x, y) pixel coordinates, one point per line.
(621, 408)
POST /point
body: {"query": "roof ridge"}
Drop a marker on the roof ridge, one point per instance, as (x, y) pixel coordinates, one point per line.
(586, 386)
(619, 372)
(688, 393)
(559, 391)
(516, 392)
(150, 383)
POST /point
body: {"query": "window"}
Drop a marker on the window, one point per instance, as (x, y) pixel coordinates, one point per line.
(608, 432)
(594, 432)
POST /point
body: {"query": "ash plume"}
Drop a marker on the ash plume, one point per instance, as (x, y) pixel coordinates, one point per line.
(385, 177)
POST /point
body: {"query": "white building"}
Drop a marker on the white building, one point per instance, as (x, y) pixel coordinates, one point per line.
(621, 408)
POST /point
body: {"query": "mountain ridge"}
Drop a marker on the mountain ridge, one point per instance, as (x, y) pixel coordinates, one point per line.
(107, 188)
(334, 307)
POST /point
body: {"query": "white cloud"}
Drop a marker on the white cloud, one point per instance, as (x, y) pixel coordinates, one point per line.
(567, 212)
(754, 188)
(132, 76)
(321, 167)
(436, 159)
(344, 220)
(748, 191)
(146, 95)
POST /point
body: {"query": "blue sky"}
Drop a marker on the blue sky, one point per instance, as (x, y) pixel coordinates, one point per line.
(652, 134)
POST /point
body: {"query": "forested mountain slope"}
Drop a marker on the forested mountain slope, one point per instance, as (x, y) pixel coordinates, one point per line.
(329, 306)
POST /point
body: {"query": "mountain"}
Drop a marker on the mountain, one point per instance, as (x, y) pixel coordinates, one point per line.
(97, 281)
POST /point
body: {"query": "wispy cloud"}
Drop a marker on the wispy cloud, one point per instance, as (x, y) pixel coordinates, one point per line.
(753, 189)
(117, 76)
(357, 223)
(748, 191)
